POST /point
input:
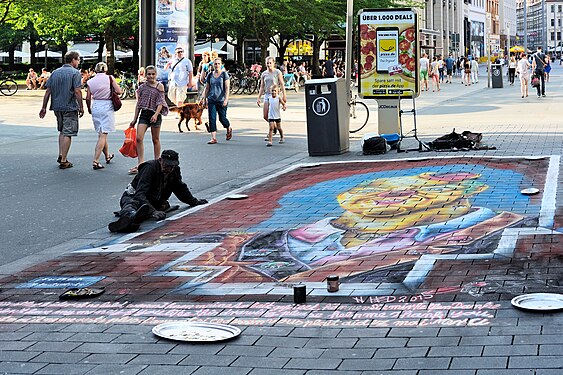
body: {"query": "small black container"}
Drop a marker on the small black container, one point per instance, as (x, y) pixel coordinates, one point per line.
(300, 294)
(332, 283)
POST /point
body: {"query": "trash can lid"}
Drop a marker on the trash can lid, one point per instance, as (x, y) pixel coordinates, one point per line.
(318, 81)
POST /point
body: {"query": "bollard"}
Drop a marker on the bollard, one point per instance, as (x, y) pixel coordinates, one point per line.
(299, 294)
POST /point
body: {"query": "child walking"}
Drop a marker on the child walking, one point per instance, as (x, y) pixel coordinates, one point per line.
(274, 114)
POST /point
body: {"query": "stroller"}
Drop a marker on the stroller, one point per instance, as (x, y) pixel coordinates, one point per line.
(290, 82)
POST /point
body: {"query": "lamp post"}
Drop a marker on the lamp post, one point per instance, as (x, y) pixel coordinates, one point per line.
(525, 6)
(349, 58)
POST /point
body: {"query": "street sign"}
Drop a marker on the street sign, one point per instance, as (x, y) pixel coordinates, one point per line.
(388, 53)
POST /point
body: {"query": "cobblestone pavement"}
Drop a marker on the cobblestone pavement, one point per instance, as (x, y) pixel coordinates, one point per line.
(429, 248)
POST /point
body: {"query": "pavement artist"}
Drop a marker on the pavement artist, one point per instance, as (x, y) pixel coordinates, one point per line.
(147, 195)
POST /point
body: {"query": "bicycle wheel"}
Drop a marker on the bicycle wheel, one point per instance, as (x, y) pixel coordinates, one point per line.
(8, 87)
(242, 86)
(252, 86)
(234, 85)
(124, 92)
(359, 116)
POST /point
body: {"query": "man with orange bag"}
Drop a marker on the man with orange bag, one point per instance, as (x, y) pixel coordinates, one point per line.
(147, 195)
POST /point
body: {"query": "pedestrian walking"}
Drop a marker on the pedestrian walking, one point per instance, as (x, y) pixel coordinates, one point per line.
(271, 76)
(450, 65)
(147, 195)
(441, 68)
(424, 69)
(547, 68)
(523, 70)
(435, 74)
(467, 71)
(538, 66)
(181, 77)
(512, 69)
(216, 96)
(474, 70)
(150, 108)
(64, 86)
(202, 69)
(275, 104)
(101, 110)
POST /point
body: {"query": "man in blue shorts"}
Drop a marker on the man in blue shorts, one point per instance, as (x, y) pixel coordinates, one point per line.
(64, 86)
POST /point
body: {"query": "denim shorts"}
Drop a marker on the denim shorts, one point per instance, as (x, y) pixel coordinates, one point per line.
(145, 118)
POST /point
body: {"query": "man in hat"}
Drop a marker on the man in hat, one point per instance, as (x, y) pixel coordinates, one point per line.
(147, 195)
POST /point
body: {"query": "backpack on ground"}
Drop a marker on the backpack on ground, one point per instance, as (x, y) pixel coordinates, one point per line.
(374, 145)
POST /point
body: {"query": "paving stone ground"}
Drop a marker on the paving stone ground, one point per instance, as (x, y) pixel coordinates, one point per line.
(430, 249)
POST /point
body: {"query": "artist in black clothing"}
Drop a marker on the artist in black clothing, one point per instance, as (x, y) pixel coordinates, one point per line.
(147, 195)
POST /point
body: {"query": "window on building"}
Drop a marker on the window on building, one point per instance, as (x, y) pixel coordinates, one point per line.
(552, 36)
(558, 35)
(552, 8)
(559, 8)
(552, 22)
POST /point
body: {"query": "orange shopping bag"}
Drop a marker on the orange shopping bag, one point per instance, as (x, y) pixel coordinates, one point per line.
(129, 148)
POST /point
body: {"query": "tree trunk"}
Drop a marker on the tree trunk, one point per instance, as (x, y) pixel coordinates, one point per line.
(32, 48)
(264, 44)
(135, 50)
(316, 50)
(101, 44)
(110, 61)
(11, 57)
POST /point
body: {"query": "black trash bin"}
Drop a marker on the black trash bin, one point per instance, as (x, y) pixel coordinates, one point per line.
(328, 116)
(496, 74)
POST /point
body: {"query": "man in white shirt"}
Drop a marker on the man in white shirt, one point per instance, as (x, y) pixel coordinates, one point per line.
(180, 79)
(474, 70)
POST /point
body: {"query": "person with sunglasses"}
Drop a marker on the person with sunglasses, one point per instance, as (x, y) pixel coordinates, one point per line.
(180, 78)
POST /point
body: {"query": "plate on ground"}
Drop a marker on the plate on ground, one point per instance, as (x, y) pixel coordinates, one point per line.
(196, 331)
(539, 157)
(539, 301)
(237, 196)
(530, 191)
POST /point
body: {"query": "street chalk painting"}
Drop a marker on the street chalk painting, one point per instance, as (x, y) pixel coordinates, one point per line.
(61, 282)
(392, 231)
(377, 225)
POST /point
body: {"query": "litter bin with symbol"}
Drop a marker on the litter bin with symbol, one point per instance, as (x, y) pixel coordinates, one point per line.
(328, 116)
(496, 74)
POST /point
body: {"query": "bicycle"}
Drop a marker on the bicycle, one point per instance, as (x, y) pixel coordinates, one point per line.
(128, 86)
(359, 114)
(8, 86)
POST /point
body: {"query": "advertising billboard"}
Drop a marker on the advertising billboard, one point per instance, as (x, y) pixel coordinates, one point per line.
(388, 53)
(173, 27)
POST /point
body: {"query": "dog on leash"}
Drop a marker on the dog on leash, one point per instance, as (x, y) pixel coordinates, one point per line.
(188, 111)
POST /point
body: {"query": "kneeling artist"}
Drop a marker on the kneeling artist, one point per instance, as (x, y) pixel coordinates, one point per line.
(147, 195)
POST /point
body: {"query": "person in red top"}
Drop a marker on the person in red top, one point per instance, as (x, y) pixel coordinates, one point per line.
(151, 106)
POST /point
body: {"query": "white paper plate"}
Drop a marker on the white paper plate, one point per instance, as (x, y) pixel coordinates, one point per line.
(539, 301)
(237, 196)
(196, 331)
(530, 191)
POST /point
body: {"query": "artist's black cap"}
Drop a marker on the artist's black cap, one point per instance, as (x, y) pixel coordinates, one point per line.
(170, 157)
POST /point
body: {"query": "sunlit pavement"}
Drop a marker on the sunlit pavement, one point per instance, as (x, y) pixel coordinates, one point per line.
(430, 248)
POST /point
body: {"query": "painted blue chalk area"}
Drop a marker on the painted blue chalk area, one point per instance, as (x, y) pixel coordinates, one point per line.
(61, 282)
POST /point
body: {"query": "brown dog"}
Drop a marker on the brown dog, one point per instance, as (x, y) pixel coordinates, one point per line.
(188, 111)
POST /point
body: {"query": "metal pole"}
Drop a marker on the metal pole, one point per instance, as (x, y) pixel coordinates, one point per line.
(46, 52)
(349, 58)
(147, 37)
(561, 34)
(489, 64)
(525, 7)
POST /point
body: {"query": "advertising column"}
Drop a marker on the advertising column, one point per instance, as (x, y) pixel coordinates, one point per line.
(174, 28)
(388, 61)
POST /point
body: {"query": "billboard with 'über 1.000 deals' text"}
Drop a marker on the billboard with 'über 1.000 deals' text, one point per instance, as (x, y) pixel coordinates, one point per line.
(388, 53)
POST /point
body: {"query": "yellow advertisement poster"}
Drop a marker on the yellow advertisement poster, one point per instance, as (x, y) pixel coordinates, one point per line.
(388, 53)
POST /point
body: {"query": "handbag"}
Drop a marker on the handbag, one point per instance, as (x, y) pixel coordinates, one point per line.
(535, 81)
(129, 148)
(115, 100)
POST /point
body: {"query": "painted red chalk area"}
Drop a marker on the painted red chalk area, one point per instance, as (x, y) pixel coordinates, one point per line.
(406, 239)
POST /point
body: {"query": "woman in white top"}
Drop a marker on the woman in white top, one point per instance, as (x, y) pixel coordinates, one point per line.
(101, 110)
(511, 70)
(268, 78)
(435, 74)
(523, 70)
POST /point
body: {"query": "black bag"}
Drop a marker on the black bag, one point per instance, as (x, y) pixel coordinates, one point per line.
(374, 146)
(452, 140)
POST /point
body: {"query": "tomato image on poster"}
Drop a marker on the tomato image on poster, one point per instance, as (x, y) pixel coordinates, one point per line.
(388, 53)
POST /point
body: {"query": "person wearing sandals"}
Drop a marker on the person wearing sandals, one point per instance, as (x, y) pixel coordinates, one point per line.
(147, 195)
(216, 97)
(275, 103)
(151, 106)
(64, 90)
(271, 76)
(103, 115)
